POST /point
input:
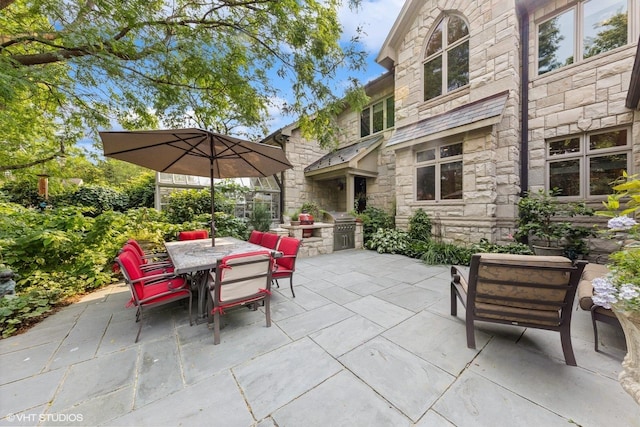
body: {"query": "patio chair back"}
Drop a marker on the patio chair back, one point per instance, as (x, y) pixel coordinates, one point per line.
(269, 240)
(285, 265)
(193, 235)
(255, 237)
(148, 290)
(523, 290)
(147, 268)
(137, 247)
(240, 280)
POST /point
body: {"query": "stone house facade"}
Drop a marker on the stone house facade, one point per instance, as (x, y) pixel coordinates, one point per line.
(490, 99)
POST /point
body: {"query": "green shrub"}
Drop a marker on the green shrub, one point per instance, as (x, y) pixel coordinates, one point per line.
(185, 205)
(21, 310)
(446, 253)
(23, 192)
(420, 226)
(229, 225)
(512, 248)
(100, 199)
(374, 219)
(260, 218)
(141, 191)
(388, 241)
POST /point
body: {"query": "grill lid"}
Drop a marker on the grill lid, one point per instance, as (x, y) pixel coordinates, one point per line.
(339, 217)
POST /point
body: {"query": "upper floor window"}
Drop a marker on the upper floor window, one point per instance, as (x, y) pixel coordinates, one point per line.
(582, 31)
(439, 173)
(377, 117)
(446, 65)
(585, 165)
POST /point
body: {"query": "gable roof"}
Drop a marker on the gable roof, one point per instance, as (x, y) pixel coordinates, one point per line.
(346, 157)
(388, 55)
(478, 114)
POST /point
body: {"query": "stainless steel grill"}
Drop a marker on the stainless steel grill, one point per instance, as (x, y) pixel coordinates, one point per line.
(344, 230)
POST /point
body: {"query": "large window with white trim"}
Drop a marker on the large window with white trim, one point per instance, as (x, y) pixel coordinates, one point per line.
(446, 63)
(439, 173)
(584, 165)
(586, 29)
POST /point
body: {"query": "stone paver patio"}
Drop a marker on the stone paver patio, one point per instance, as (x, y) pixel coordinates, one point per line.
(368, 341)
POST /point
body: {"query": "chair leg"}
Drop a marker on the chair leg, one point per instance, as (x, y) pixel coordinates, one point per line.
(291, 285)
(595, 329)
(267, 310)
(454, 301)
(216, 328)
(567, 348)
(139, 320)
(471, 333)
(276, 282)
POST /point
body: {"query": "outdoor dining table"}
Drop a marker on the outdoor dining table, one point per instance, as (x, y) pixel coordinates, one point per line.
(197, 258)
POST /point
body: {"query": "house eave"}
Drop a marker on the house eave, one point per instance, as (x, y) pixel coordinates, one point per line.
(633, 96)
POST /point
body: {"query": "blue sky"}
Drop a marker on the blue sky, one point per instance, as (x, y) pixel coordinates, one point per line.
(375, 17)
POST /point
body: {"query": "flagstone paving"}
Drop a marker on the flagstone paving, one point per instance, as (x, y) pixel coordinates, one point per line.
(368, 341)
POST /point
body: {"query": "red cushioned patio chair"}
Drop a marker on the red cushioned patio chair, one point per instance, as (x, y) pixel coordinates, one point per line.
(240, 280)
(285, 265)
(151, 291)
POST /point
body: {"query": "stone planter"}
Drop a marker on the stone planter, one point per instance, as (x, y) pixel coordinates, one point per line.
(547, 250)
(630, 376)
(294, 223)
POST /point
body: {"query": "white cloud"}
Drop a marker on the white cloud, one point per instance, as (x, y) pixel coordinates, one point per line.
(375, 17)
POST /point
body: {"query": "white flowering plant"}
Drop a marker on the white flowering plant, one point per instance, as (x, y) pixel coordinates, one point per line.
(620, 289)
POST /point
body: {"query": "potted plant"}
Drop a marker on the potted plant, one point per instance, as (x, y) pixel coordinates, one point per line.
(538, 215)
(620, 290)
(295, 218)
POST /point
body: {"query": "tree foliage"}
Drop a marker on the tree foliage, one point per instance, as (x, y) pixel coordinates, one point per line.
(217, 64)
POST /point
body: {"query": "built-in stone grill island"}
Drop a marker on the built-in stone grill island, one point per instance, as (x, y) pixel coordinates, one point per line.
(337, 231)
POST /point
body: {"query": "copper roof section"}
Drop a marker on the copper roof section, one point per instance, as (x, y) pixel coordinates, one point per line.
(485, 111)
(343, 156)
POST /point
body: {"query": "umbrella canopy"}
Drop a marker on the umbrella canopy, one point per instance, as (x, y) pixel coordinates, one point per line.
(195, 152)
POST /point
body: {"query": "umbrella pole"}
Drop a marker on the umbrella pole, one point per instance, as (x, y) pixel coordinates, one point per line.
(213, 207)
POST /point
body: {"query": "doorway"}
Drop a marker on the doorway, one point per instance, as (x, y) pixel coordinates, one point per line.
(360, 193)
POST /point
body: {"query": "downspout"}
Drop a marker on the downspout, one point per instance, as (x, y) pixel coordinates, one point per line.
(524, 98)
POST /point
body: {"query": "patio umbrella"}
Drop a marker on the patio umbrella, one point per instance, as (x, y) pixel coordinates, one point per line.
(195, 152)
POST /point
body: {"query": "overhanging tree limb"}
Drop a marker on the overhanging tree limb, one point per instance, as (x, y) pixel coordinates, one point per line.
(59, 154)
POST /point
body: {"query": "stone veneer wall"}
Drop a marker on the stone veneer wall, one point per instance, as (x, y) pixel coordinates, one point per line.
(302, 153)
(491, 156)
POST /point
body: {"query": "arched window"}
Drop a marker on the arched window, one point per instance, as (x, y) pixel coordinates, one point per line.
(446, 65)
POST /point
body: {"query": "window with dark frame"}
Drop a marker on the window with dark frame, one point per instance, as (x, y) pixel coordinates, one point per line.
(583, 166)
(603, 24)
(439, 173)
(377, 117)
(446, 65)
